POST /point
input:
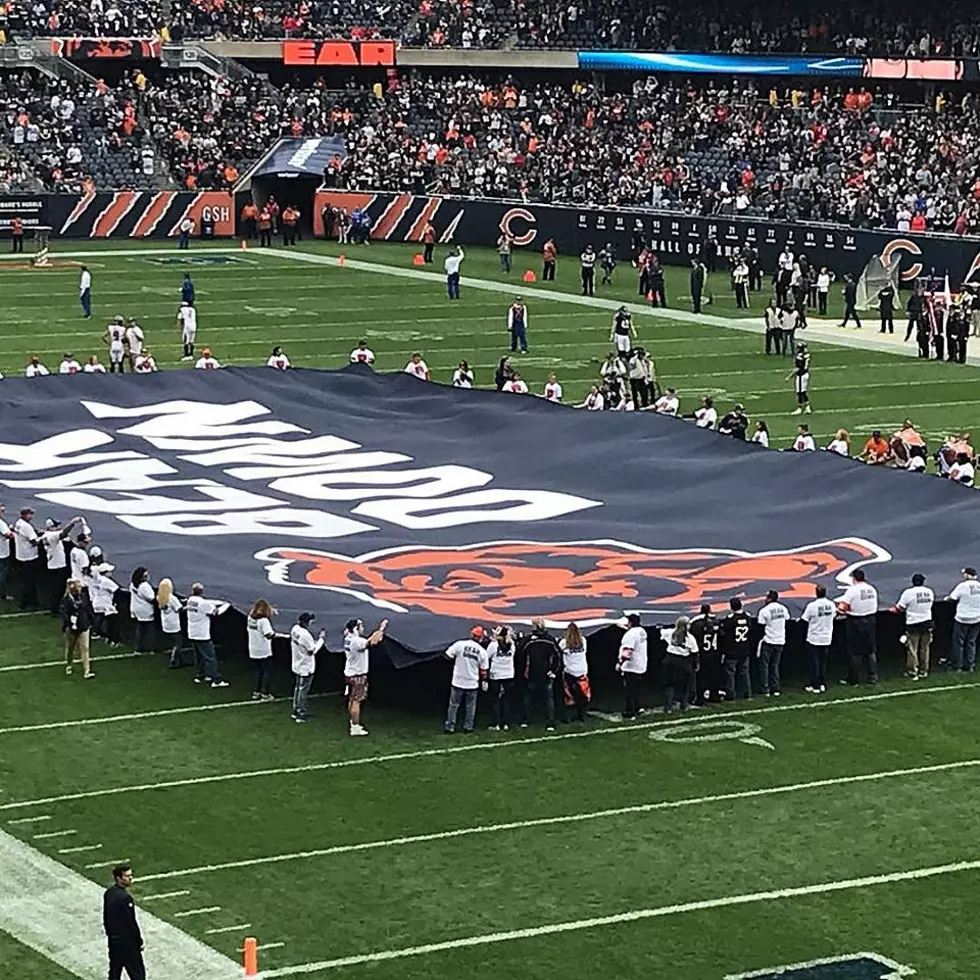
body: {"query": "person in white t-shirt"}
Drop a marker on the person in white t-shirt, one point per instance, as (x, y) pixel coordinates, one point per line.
(362, 354)
(187, 321)
(860, 605)
(668, 403)
(773, 617)
(962, 470)
(170, 608)
(102, 589)
(35, 369)
(706, 417)
(761, 434)
(632, 664)
(515, 385)
(69, 365)
(304, 647)
(470, 667)
(575, 672)
(115, 338)
(553, 390)
(916, 603)
(278, 360)
(27, 543)
(92, 366)
(462, 376)
(134, 341)
(260, 633)
(840, 444)
(52, 547)
(500, 677)
(417, 367)
(819, 616)
(6, 537)
(966, 622)
(594, 400)
(206, 362)
(141, 599)
(357, 662)
(199, 614)
(682, 650)
(145, 363)
(803, 443)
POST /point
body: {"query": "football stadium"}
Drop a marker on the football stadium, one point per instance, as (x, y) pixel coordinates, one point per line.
(487, 489)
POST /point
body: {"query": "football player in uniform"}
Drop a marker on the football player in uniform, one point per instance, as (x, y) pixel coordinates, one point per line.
(187, 321)
(623, 333)
(134, 341)
(801, 379)
(115, 337)
(607, 262)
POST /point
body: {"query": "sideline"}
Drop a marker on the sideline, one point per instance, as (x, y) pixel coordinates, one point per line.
(500, 743)
(55, 912)
(635, 915)
(749, 794)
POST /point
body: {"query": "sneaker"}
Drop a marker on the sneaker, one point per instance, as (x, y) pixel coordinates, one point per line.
(640, 711)
(797, 411)
(256, 696)
(549, 728)
(776, 694)
(807, 410)
(356, 730)
(200, 680)
(811, 690)
(923, 675)
(523, 724)
(219, 684)
(89, 674)
(268, 697)
(68, 669)
(299, 720)
(187, 357)
(505, 728)
(823, 689)
(494, 728)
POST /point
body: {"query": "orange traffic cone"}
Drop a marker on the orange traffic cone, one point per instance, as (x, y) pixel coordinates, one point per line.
(418, 259)
(341, 260)
(244, 245)
(529, 276)
(251, 963)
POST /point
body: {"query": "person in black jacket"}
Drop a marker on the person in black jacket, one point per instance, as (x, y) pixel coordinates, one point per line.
(886, 308)
(697, 284)
(916, 310)
(76, 621)
(121, 927)
(541, 657)
(850, 302)
(736, 650)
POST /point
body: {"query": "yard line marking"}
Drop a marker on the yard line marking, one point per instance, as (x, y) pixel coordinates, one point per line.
(635, 915)
(107, 863)
(160, 896)
(16, 615)
(54, 833)
(80, 850)
(61, 663)
(38, 819)
(239, 928)
(570, 818)
(475, 746)
(262, 946)
(205, 911)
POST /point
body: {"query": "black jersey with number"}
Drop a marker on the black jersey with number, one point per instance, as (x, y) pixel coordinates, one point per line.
(622, 322)
(801, 364)
(736, 636)
(706, 629)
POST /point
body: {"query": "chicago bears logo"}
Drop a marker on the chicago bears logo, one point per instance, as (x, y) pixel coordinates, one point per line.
(590, 582)
(510, 222)
(856, 966)
(898, 245)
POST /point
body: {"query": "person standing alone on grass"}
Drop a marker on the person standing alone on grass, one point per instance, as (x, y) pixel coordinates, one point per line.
(819, 616)
(575, 673)
(470, 667)
(260, 633)
(966, 622)
(452, 263)
(76, 622)
(549, 256)
(505, 249)
(632, 664)
(588, 260)
(773, 617)
(428, 242)
(85, 292)
(860, 605)
(698, 277)
(121, 929)
(916, 603)
(17, 234)
(357, 663)
(304, 649)
(886, 308)
(517, 325)
(850, 302)
(199, 613)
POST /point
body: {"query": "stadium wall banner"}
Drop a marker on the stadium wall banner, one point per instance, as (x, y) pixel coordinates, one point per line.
(676, 238)
(121, 214)
(353, 494)
(341, 54)
(88, 48)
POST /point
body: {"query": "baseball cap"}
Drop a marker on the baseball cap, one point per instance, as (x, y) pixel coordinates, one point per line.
(352, 625)
(477, 632)
(305, 618)
(51, 523)
(96, 552)
(24, 511)
(633, 619)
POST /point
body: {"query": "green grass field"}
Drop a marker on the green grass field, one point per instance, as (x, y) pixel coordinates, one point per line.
(643, 850)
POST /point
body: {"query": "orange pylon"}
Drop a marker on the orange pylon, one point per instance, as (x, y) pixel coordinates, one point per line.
(251, 956)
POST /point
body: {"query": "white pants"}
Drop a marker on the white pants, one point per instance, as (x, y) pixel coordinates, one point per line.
(623, 343)
(802, 382)
(189, 333)
(116, 354)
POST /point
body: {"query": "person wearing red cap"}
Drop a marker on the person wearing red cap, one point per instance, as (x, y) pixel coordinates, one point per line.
(470, 666)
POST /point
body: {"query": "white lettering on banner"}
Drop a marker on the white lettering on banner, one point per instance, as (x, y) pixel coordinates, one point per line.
(227, 438)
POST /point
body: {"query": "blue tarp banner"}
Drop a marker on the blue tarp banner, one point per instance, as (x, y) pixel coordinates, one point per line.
(722, 64)
(302, 157)
(354, 494)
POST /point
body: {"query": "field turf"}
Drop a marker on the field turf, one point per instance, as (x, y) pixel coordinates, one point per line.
(783, 833)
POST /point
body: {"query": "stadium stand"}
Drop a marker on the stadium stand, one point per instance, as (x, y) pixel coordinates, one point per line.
(79, 18)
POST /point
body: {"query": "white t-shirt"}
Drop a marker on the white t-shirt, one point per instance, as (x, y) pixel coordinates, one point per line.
(170, 615)
(761, 437)
(24, 538)
(36, 371)
(356, 654)
(553, 391)
(917, 602)
(102, 589)
(420, 370)
(188, 320)
(501, 661)
(633, 646)
(966, 595)
(206, 364)
(690, 643)
(260, 633)
(69, 367)
(595, 402)
(840, 447)
(819, 618)
(774, 616)
(516, 386)
(304, 650)
(4, 540)
(54, 549)
(862, 599)
(79, 560)
(95, 368)
(804, 444)
(141, 602)
(461, 379)
(199, 613)
(144, 364)
(469, 658)
(134, 335)
(962, 473)
(667, 405)
(362, 355)
(706, 418)
(574, 662)
(278, 361)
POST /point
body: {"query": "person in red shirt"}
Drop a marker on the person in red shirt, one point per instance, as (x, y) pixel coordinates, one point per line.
(549, 254)
(918, 222)
(429, 242)
(877, 452)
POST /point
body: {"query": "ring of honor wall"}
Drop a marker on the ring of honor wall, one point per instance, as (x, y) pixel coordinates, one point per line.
(676, 238)
(120, 214)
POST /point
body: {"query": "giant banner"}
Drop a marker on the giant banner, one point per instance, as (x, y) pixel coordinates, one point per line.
(677, 238)
(357, 495)
(120, 214)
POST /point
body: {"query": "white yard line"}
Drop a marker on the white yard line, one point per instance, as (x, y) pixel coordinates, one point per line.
(207, 910)
(634, 915)
(81, 849)
(571, 818)
(38, 819)
(54, 833)
(161, 896)
(106, 864)
(17, 615)
(504, 742)
(61, 663)
(238, 928)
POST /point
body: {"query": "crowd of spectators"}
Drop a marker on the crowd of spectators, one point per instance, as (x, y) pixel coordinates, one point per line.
(79, 18)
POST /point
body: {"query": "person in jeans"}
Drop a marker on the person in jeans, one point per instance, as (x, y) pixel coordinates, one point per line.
(141, 599)
(819, 616)
(304, 650)
(678, 665)
(199, 613)
(258, 628)
(170, 607)
(736, 648)
(470, 667)
(632, 664)
(916, 603)
(76, 621)
(575, 673)
(6, 536)
(773, 617)
(966, 622)
(541, 659)
(500, 653)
